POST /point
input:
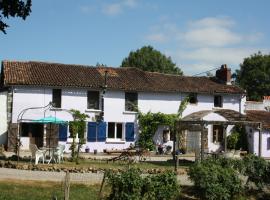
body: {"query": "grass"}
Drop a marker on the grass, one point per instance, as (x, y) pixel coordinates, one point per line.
(32, 190)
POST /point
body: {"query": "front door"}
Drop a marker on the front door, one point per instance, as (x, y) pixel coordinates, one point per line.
(52, 135)
(35, 133)
(193, 141)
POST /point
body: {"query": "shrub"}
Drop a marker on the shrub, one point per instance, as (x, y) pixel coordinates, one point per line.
(257, 170)
(233, 140)
(126, 185)
(214, 181)
(131, 185)
(161, 186)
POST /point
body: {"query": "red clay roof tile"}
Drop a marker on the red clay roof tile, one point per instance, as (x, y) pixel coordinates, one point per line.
(128, 79)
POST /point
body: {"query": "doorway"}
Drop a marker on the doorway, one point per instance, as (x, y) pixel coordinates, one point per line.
(34, 131)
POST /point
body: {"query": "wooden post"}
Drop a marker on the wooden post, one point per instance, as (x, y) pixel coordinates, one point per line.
(202, 142)
(176, 132)
(225, 137)
(102, 184)
(260, 139)
(67, 186)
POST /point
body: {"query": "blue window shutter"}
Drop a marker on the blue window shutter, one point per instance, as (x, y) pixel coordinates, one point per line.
(101, 131)
(129, 131)
(92, 132)
(63, 132)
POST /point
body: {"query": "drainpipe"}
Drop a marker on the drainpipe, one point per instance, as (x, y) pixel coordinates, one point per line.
(104, 88)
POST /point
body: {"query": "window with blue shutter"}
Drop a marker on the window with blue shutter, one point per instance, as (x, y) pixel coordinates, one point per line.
(92, 132)
(129, 131)
(63, 128)
(101, 132)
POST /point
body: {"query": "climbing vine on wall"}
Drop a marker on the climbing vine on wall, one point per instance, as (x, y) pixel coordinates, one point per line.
(77, 126)
(149, 122)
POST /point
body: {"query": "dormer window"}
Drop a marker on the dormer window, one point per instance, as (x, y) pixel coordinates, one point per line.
(218, 101)
(56, 98)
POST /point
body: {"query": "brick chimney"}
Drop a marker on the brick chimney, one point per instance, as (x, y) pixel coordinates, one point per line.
(224, 74)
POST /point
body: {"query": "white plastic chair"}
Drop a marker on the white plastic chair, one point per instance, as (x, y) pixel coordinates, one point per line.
(36, 153)
(58, 154)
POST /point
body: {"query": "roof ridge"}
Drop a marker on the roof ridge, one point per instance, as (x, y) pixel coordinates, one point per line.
(126, 78)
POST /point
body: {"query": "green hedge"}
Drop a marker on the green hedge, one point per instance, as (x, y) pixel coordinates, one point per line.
(214, 181)
(131, 185)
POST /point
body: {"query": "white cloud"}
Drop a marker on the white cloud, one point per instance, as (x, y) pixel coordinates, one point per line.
(205, 43)
(163, 33)
(203, 59)
(213, 22)
(118, 7)
(157, 37)
(211, 36)
(211, 31)
(130, 3)
(112, 9)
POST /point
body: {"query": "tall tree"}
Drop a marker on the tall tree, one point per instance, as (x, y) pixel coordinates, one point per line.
(149, 59)
(13, 8)
(254, 76)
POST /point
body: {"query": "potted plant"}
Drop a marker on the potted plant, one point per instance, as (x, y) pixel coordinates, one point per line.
(87, 149)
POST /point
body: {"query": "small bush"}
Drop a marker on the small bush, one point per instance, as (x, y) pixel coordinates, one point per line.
(233, 140)
(131, 185)
(214, 181)
(161, 186)
(257, 170)
(125, 185)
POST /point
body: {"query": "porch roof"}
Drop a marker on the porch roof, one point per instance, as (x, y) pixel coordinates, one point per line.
(232, 117)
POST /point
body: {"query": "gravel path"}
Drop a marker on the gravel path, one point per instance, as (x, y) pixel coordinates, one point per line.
(86, 178)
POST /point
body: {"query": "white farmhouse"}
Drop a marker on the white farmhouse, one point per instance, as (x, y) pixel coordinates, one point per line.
(105, 92)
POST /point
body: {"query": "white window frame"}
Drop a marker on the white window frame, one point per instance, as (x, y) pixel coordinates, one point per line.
(115, 139)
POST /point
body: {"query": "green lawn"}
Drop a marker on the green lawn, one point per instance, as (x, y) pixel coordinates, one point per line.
(29, 190)
(33, 190)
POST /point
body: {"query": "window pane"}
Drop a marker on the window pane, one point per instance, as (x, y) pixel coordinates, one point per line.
(56, 98)
(119, 131)
(111, 130)
(131, 101)
(268, 143)
(93, 100)
(25, 129)
(193, 98)
(218, 101)
(217, 133)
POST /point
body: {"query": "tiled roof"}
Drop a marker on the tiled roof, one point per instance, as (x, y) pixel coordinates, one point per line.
(129, 79)
(230, 115)
(259, 116)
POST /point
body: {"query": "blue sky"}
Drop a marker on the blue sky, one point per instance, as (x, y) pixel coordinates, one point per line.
(197, 34)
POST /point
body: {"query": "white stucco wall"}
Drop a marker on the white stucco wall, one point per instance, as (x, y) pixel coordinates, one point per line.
(3, 117)
(114, 106)
(206, 102)
(253, 139)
